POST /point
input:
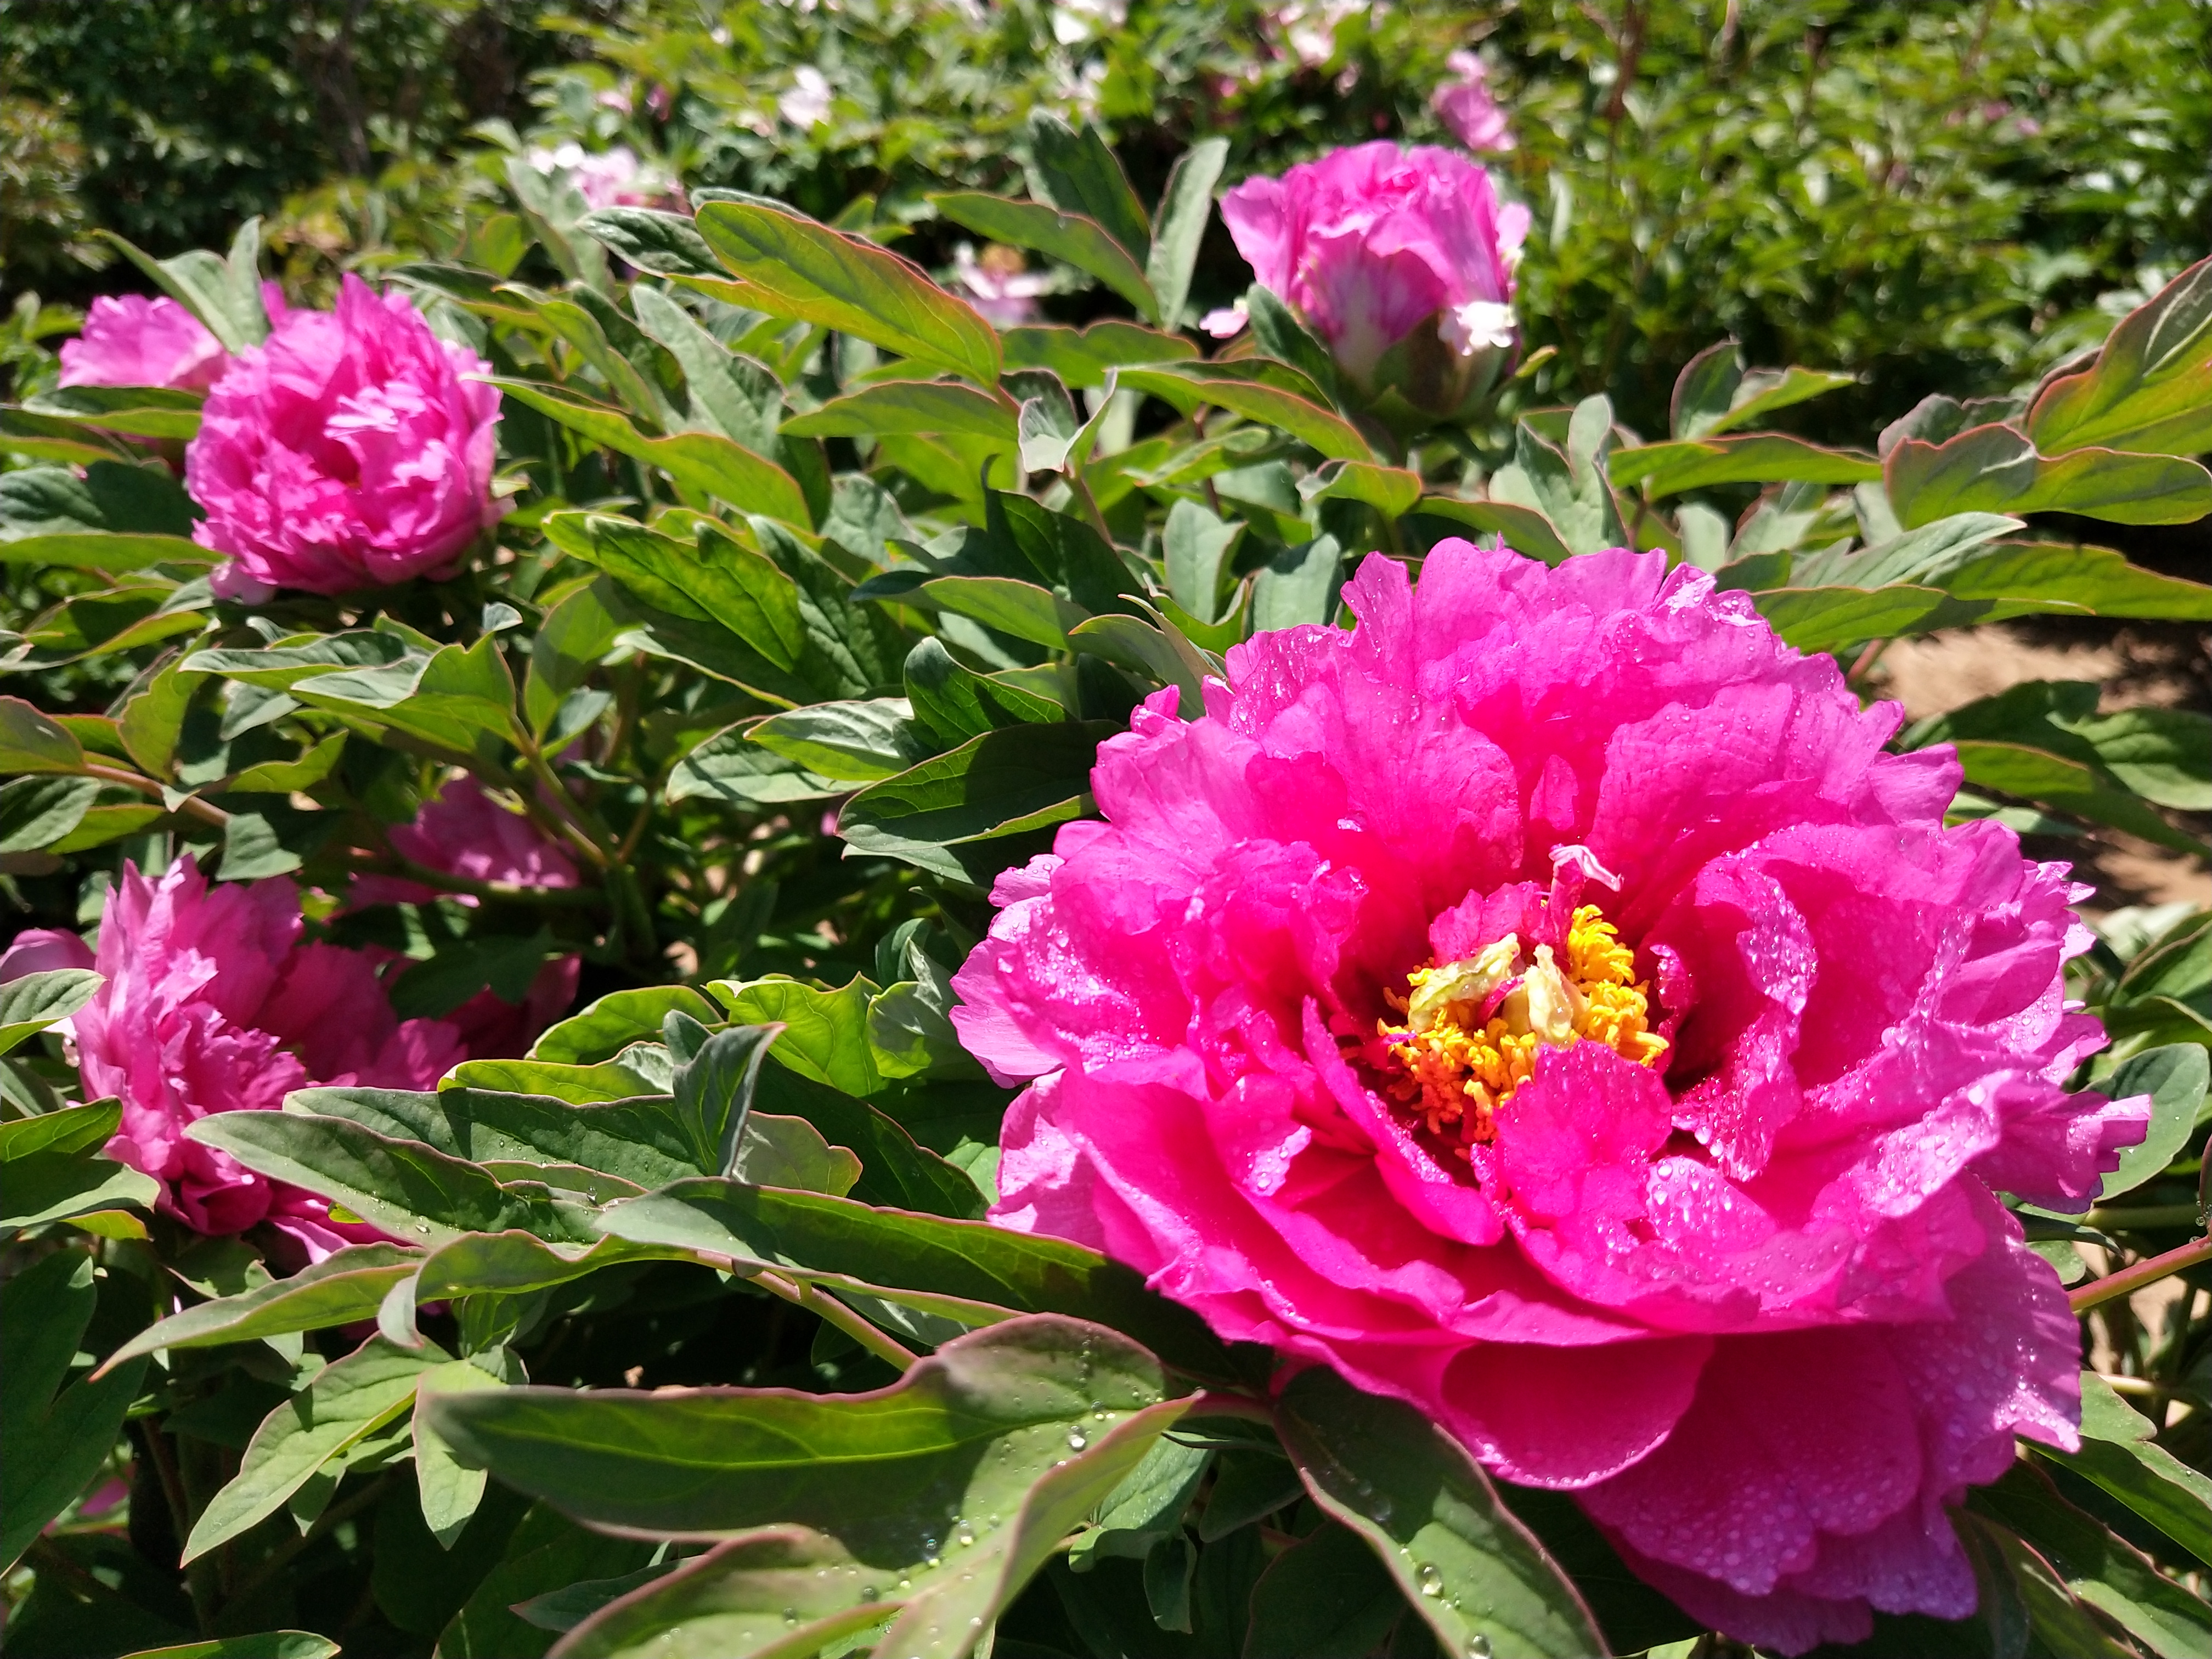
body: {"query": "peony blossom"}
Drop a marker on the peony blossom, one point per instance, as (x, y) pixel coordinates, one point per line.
(130, 340)
(614, 178)
(999, 284)
(1075, 21)
(807, 103)
(1400, 259)
(213, 1003)
(1548, 1003)
(1308, 29)
(463, 831)
(43, 951)
(1468, 108)
(348, 451)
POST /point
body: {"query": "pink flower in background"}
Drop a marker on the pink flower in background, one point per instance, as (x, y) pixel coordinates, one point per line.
(1548, 1003)
(463, 831)
(42, 951)
(999, 283)
(130, 340)
(1468, 108)
(213, 1003)
(1376, 246)
(348, 451)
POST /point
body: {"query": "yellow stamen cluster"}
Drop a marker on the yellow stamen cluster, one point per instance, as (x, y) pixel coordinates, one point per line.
(1448, 1070)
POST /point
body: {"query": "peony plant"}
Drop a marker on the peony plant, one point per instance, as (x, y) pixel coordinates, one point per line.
(727, 948)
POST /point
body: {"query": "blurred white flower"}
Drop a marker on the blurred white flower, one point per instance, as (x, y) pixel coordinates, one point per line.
(1479, 323)
(807, 103)
(1309, 28)
(1226, 323)
(1074, 21)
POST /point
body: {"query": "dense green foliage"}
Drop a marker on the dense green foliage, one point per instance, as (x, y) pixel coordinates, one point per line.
(817, 595)
(1948, 196)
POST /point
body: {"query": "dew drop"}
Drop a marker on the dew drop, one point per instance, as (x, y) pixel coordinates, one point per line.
(791, 1615)
(1430, 1580)
(1077, 1440)
(422, 1227)
(907, 1584)
(1478, 1646)
(965, 1536)
(870, 1592)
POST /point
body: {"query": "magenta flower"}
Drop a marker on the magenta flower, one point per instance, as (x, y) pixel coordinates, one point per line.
(213, 1003)
(42, 951)
(1466, 107)
(130, 340)
(463, 831)
(1548, 1003)
(348, 451)
(1402, 260)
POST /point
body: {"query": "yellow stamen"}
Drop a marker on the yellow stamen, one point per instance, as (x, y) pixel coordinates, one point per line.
(1447, 1070)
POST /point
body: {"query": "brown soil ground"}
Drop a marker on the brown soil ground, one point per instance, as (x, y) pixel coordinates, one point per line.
(2138, 663)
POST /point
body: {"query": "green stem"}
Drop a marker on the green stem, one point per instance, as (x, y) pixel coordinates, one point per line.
(2128, 1280)
(193, 806)
(164, 1460)
(2143, 1218)
(832, 1311)
(284, 1554)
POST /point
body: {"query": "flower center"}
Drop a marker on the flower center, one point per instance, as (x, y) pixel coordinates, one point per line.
(1471, 1029)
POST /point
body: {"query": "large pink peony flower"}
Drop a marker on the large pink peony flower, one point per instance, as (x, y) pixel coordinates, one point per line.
(1402, 260)
(131, 340)
(1547, 1003)
(348, 451)
(213, 1004)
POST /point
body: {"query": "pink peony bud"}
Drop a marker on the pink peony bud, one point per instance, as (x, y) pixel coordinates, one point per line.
(1468, 109)
(347, 452)
(131, 340)
(213, 1003)
(41, 950)
(1400, 259)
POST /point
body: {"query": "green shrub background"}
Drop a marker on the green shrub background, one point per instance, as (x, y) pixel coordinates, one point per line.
(1927, 195)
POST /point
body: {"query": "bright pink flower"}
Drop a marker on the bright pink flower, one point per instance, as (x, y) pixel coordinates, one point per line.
(1468, 108)
(213, 1004)
(1402, 260)
(348, 451)
(1548, 1004)
(131, 340)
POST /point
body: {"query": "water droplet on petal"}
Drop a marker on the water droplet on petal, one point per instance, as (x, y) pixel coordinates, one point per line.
(1077, 1440)
(870, 1592)
(791, 1615)
(1430, 1580)
(964, 1536)
(1478, 1646)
